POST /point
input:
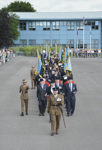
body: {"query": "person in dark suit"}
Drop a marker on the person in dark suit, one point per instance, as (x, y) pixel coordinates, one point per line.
(70, 90)
(73, 91)
(58, 85)
(42, 96)
(52, 75)
(50, 89)
(57, 74)
(37, 78)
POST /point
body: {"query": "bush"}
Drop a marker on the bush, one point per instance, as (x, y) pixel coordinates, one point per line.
(21, 49)
(14, 48)
(31, 50)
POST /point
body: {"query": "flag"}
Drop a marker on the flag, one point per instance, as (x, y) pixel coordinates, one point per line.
(42, 58)
(66, 54)
(65, 65)
(83, 20)
(68, 50)
(39, 68)
(69, 67)
(55, 52)
(60, 52)
(49, 54)
(46, 51)
(56, 48)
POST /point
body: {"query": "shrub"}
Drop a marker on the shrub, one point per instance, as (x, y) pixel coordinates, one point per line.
(31, 50)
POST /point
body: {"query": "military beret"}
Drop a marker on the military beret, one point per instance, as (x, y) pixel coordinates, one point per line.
(55, 89)
(52, 81)
(33, 66)
(69, 78)
(41, 80)
(24, 80)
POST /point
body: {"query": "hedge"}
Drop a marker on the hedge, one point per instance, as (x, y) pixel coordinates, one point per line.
(31, 50)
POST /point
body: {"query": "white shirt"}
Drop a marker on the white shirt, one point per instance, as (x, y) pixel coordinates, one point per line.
(57, 84)
(51, 90)
(70, 86)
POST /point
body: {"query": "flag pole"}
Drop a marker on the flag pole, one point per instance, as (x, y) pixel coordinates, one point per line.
(83, 36)
(83, 31)
(90, 38)
(77, 38)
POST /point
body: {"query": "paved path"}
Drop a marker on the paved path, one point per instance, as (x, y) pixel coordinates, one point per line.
(84, 129)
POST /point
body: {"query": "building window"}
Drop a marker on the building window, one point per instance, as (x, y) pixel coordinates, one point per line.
(70, 25)
(55, 42)
(80, 44)
(32, 25)
(48, 42)
(94, 25)
(79, 25)
(87, 23)
(70, 43)
(63, 23)
(46, 25)
(55, 25)
(94, 44)
(22, 25)
(37, 23)
(23, 43)
(32, 42)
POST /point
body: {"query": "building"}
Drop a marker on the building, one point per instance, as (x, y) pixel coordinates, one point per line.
(39, 28)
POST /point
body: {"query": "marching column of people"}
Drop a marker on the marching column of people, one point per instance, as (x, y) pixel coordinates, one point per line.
(54, 89)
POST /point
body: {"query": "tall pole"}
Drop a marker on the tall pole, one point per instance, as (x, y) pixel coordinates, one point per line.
(83, 31)
(90, 38)
(77, 39)
(83, 36)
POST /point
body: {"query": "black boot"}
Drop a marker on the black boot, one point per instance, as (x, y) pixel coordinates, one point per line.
(22, 114)
(39, 114)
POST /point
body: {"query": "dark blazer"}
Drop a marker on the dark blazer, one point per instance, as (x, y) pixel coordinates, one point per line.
(41, 92)
(58, 75)
(68, 93)
(37, 79)
(60, 88)
(49, 91)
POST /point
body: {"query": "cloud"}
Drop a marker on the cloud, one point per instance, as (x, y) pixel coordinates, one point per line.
(61, 6)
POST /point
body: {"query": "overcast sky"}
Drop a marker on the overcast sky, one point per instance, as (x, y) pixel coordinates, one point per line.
(61, 5)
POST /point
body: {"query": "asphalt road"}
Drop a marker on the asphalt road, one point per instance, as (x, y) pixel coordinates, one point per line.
(84, 129)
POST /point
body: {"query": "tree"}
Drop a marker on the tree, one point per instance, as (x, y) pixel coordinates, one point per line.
(14, 26)
(20, 6)
(8, 28)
